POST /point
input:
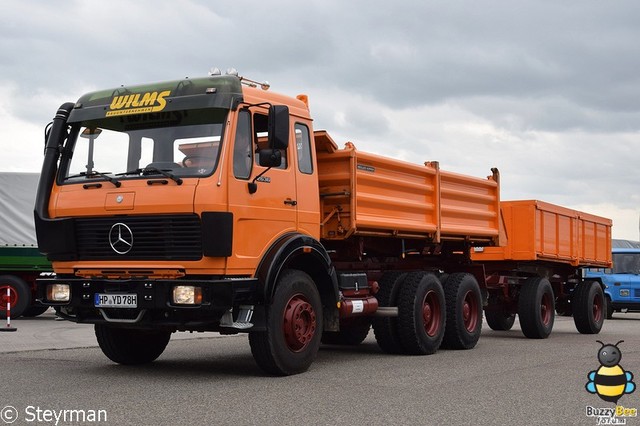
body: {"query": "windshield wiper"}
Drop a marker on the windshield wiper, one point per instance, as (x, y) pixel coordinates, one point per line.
(152, 171)
(95, 173)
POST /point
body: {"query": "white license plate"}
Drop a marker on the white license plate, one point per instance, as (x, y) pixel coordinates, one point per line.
(115, 300)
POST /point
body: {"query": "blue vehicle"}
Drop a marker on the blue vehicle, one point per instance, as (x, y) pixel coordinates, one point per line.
(621, 281)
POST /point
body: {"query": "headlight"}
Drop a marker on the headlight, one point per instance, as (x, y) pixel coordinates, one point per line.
(58, 292)
(187, 295)
(624, 292)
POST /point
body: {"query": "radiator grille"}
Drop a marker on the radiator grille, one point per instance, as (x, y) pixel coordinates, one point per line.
(165, 237)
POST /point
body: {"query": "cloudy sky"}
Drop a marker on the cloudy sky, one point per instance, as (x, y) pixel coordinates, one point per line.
(547, 91)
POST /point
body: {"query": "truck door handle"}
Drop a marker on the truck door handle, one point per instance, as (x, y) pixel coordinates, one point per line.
(291, 202)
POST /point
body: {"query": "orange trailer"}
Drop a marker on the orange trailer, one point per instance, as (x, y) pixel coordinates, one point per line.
(210, 204)
(546, 249)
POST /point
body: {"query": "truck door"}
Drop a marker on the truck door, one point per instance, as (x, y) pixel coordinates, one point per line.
(258, 218)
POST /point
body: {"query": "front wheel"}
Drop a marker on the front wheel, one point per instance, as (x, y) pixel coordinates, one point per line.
(294, 327)
(130, 346)
(588, 307)
(536, 308)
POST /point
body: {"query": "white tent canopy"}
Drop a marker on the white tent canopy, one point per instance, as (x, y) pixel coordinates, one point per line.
(17, 200)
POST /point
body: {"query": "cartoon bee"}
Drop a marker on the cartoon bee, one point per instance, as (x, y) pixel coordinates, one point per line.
(610, 381)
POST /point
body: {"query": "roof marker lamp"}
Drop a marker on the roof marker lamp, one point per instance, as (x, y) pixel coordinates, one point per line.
(58, 292)
(187, 295)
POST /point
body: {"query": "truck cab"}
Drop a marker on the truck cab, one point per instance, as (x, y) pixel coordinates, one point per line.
(621, 281)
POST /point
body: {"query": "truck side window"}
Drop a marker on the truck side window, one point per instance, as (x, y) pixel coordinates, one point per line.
(303, 147)
(260, 127)
(242, 152)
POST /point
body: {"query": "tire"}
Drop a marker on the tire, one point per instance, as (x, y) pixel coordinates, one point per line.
(499, 319)
(421, 313)
(34, 311)
(294, 327)
(464, 311)
(536, 308)
(609, 307)
(443, 277)
(20, 295)
(564, 308)
(129, 346)
(385, 329)
(589, 307)
(352, 332)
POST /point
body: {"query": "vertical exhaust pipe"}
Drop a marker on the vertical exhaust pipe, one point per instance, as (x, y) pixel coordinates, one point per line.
(53, 234)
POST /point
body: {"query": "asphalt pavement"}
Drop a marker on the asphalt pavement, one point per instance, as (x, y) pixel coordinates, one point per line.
(51, 369)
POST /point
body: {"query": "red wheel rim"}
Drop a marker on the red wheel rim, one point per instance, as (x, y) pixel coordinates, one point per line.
(598, 308)
(299, 323)
(470, 311)
(431, 313)
(546, 309)
(3, 297)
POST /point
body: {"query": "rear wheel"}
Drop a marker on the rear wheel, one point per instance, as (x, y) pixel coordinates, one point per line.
(386, 328)
(464, 311)
(421, 313)
(294, 327)
(129, 346)
(19, 296)
(589, 307)
(352, 332)
(536, 308)
(499, 319)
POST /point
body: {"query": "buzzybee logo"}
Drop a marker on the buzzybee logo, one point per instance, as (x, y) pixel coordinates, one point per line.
(610, 382)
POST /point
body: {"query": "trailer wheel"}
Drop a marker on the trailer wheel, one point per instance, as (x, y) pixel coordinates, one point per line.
(588, 307)
(500, 320)
(20, 295)
(386, 328)
(129, 346)
(609, 304)
(294, 327)
(536, 308)
(352, 332)
(464, 311)
(421, 313)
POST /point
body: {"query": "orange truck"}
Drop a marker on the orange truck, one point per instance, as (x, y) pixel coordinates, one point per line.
(211, 204)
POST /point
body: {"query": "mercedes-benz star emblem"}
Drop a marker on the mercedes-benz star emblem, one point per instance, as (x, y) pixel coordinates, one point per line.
(121, 238)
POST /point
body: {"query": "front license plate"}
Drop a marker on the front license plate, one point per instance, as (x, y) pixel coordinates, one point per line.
(116, 300)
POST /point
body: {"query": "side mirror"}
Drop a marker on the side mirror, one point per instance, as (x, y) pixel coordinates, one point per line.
(270, 157)
(278, 127)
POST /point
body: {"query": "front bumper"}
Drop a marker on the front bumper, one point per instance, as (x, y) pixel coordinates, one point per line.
(221, 300)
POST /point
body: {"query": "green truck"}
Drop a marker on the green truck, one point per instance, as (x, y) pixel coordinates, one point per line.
(20, 261)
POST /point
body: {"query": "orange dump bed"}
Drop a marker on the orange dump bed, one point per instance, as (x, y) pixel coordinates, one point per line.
(541, 231)
(369, 195)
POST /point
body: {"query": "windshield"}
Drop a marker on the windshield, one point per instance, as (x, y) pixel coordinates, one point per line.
(177, 143)
(626, 263)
